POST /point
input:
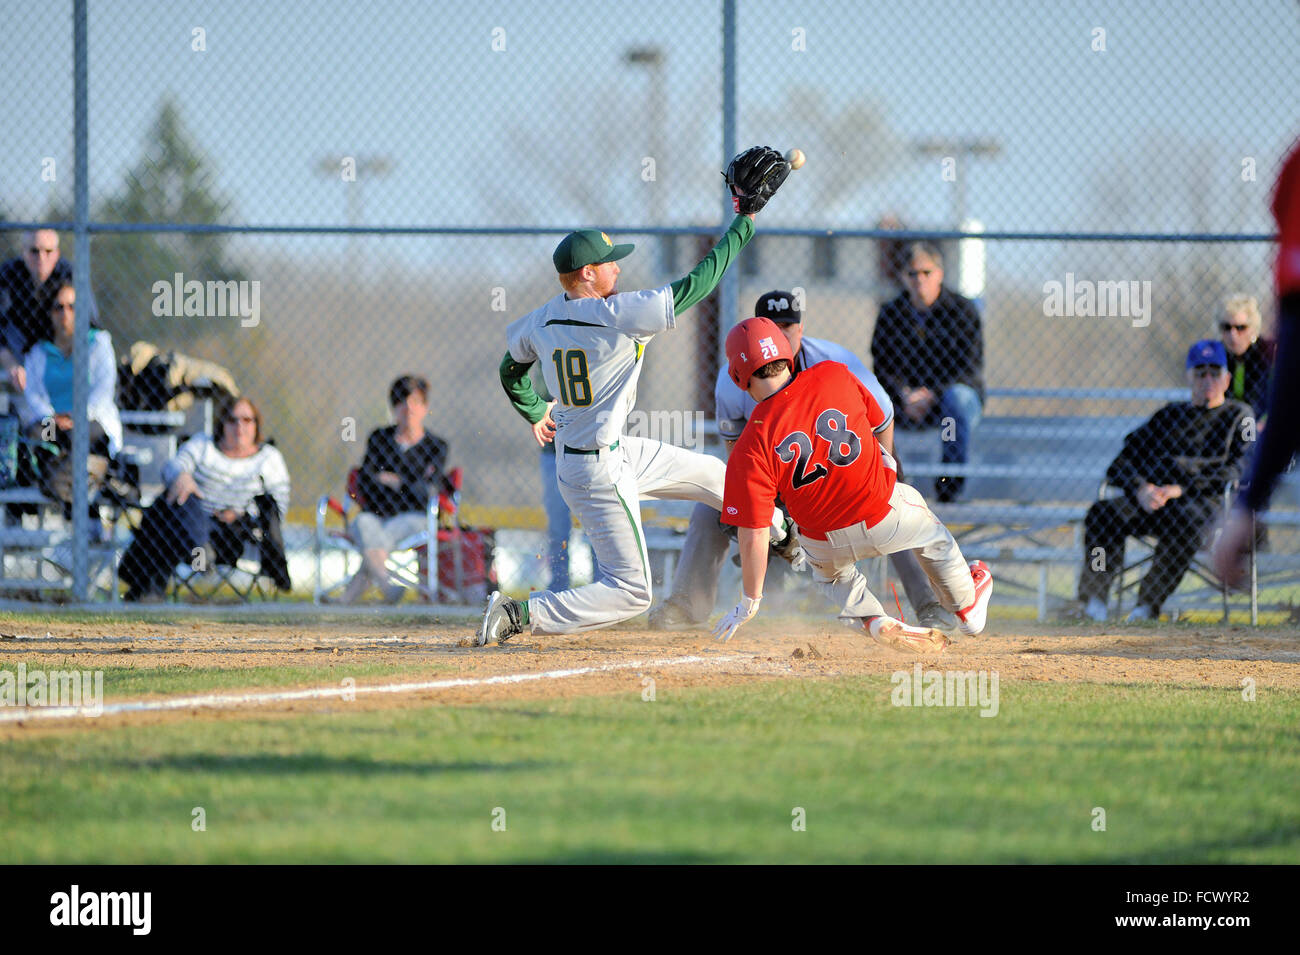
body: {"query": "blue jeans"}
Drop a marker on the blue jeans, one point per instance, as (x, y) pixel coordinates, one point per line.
(169, 535)
(961, 403)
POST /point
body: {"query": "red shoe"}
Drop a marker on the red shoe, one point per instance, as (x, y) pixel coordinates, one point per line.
(971, 620)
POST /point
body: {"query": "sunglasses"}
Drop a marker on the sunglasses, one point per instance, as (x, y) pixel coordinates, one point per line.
(241, 420)
(1229, 327)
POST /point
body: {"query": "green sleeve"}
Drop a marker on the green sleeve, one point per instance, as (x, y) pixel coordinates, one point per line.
(704, 278)
(519, 389)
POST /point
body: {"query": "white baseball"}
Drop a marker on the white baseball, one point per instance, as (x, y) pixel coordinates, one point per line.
(795, 158)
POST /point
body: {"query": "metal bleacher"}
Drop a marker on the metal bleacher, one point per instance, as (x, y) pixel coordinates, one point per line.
(1032, 478)
(35, 547)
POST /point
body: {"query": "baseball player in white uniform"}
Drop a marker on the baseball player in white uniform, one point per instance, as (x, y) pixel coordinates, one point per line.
(589, 341)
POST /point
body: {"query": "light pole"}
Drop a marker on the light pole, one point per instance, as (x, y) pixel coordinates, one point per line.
(970, 252)
(968, 147)
(351, 171)
(652, 58)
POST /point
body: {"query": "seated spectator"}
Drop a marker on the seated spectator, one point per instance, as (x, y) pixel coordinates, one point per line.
(928, 352)
(403, 465)
(1173, 471)
(47, 410)
(220, 494)
(27, 289)
(1250, 360)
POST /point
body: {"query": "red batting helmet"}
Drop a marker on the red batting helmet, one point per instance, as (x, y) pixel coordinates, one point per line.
(752, 344)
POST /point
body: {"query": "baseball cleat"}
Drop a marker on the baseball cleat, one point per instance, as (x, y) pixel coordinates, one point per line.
(971, 620)
(934, 616)
(669, 616)
(501, 621)
(897, 635)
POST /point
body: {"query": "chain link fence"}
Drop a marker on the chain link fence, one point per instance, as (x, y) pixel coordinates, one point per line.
(320, 198)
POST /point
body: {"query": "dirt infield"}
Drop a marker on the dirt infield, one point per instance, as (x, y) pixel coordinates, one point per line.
(618, 660)
(1182, 655)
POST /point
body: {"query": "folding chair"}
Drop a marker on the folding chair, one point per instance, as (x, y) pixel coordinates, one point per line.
(445, 561)
(240, 578)
(408, 563)
(1130, 576)
(236, 561)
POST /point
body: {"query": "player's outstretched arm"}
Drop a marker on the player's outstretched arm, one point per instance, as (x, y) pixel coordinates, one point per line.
(700, 282)
(753, 572)
(519, 389)
(753, 177)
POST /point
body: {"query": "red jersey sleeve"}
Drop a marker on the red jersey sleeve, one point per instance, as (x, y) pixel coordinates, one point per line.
(749, 498)
(1286, 210)
(875, 414)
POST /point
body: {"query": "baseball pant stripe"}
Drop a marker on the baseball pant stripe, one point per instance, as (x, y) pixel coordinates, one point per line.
(636, 533)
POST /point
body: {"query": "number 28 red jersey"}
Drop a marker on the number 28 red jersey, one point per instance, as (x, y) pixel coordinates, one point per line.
(814, 444)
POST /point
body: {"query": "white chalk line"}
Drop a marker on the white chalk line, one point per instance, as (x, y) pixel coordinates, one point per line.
(90, 640)
(225, 700)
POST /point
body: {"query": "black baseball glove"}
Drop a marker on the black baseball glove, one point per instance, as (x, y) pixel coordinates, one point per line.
(754, 177)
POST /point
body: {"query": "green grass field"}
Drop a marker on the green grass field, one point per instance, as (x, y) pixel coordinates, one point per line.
(699, 775)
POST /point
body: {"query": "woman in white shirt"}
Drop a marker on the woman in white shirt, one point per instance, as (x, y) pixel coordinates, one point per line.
(209, 503)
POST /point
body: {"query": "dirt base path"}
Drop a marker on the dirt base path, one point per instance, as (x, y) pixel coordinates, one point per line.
(617, 660)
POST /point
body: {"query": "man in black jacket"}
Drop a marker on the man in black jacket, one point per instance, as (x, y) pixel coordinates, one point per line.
(27, 289)
(928, 352)
(1172, 470)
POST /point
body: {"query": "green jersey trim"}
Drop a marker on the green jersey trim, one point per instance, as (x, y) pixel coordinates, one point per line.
(636, 532)
(704, 278)
(519, 389)
(571, 321)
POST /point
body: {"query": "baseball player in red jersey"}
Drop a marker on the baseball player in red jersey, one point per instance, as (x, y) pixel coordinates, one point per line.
(811, 441)
(1281, 439)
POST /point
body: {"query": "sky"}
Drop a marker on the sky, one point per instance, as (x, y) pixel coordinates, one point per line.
(515, 113)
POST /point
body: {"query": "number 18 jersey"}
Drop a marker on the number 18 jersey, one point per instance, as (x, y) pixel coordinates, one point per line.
(590, 353)
(812, 443)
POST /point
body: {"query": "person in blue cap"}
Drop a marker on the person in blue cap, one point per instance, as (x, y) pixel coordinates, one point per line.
(1173, 471)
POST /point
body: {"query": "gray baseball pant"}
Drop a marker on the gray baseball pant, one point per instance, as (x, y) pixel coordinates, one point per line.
(910, 525)
(604, 491)
(695, 579)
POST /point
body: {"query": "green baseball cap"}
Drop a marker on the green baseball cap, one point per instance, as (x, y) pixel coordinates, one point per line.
(587, 247)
